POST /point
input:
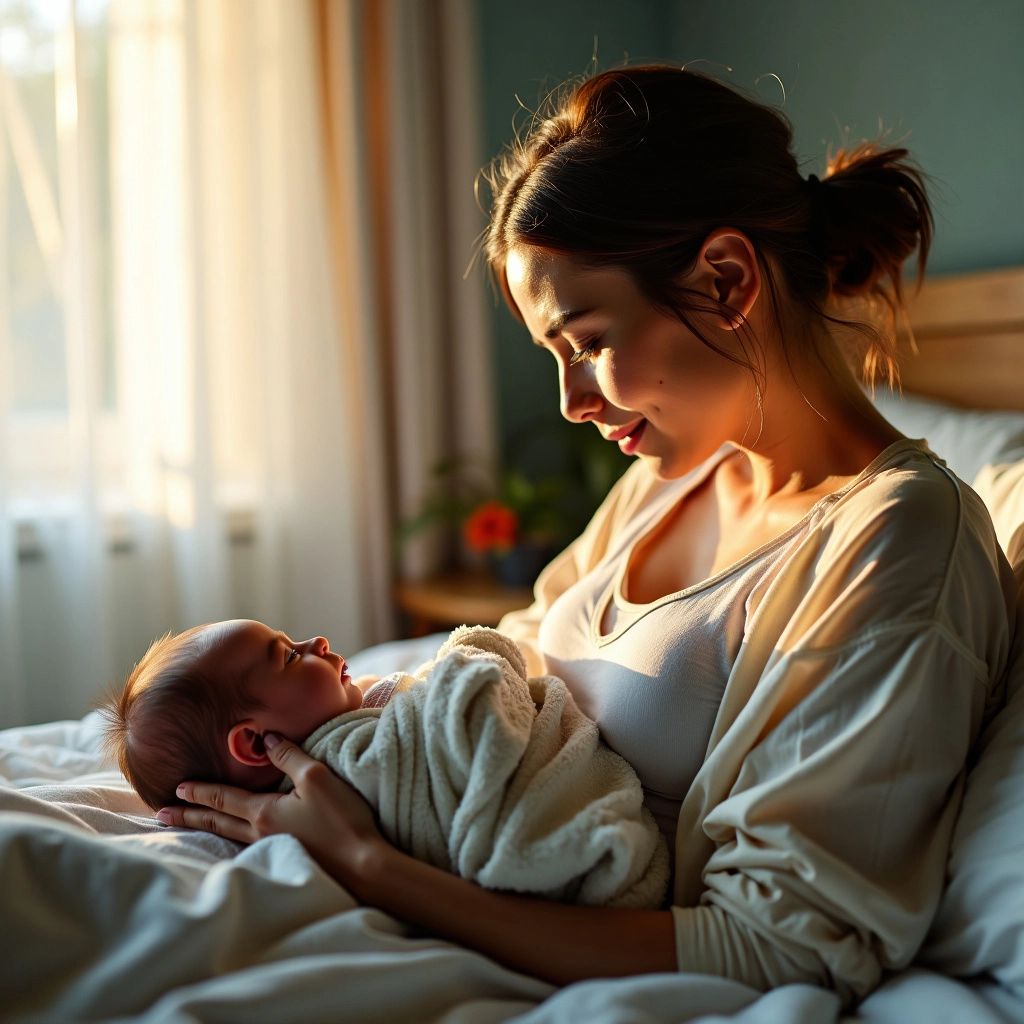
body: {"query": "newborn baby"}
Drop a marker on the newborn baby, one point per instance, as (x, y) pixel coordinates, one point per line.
(469, 765)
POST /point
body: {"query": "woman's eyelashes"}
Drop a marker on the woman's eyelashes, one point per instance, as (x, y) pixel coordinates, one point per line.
(587, 350)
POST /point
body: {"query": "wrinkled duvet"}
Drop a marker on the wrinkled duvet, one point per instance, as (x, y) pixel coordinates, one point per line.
(108, 915)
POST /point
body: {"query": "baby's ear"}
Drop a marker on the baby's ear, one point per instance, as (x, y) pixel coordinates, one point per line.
(245, 744)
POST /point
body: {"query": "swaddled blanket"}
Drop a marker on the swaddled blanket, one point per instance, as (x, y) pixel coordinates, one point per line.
(501, 779)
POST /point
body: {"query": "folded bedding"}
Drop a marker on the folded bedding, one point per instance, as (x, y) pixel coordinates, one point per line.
(502, 780)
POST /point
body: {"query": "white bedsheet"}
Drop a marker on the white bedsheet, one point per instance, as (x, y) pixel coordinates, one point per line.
(108, 915)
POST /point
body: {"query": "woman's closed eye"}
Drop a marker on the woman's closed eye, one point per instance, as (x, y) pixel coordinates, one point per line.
(588, 350)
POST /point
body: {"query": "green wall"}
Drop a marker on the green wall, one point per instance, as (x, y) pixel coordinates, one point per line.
(526, 50)
(944, 77)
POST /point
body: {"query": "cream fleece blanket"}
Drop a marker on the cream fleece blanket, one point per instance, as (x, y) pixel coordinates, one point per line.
(502, 780)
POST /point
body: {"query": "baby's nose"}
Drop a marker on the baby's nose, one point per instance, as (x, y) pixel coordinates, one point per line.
(318, 645)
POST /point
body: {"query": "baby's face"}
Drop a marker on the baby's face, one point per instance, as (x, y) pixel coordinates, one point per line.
(301, 685)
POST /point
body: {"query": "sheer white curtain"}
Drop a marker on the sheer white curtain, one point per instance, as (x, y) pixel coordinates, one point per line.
(263, 351)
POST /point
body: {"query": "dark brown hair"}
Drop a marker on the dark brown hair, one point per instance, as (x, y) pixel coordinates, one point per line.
(170, 721)
(636, 166)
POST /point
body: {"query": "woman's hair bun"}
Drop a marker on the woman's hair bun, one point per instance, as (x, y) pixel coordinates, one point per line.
(871, 212)
(633, 167)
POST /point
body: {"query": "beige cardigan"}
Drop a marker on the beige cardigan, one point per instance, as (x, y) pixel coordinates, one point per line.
(813, 841)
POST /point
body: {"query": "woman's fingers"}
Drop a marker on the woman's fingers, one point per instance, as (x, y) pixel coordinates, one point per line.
(305, 772)
(285, 755)
(237, 813)
(323, 812)
(228, 799)
(206, 820)
(224, 810)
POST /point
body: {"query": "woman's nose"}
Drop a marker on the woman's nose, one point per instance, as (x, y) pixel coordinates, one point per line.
(580, 398)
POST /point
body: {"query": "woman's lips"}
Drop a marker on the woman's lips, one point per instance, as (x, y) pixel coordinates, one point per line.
(629, 443)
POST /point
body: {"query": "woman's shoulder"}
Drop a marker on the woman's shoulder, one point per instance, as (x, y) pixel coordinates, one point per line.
(909, 500)
(906, 544)
(908, 492)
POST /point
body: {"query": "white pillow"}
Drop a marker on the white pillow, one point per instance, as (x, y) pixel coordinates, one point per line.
(1001, 487)
(979, 926)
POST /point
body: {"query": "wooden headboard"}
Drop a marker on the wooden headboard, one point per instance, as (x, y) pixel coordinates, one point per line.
(969, 330)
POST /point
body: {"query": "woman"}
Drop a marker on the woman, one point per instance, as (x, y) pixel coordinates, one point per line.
(789, 618)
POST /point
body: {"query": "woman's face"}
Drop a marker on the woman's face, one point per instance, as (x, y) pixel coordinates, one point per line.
(640, 376)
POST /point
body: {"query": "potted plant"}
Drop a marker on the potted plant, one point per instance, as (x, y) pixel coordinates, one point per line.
(515, 519)
(514, 524)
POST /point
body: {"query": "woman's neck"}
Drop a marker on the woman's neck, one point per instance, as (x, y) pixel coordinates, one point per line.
(817, 428)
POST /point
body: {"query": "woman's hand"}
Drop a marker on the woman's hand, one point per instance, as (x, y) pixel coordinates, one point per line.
(538, 936)
(324, 813)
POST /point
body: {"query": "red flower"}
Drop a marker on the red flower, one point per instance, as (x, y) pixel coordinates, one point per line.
(491, 526)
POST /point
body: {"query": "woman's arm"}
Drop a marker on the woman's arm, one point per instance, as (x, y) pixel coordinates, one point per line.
(553, 941)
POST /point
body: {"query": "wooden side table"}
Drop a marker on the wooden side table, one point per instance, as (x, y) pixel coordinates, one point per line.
(457, 598)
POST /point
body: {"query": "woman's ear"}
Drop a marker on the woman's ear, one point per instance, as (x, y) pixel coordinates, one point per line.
(729, 270)
(245, 744)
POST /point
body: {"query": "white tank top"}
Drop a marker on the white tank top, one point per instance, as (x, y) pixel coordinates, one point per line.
(654, 682)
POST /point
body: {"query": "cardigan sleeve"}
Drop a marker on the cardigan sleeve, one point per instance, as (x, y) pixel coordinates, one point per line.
(830, 847)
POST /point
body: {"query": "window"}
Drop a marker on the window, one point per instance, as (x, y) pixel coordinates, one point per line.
(57, 350)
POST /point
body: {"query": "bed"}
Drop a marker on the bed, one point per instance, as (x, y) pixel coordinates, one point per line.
(108, 915)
